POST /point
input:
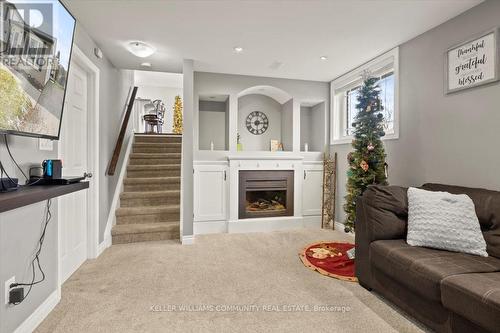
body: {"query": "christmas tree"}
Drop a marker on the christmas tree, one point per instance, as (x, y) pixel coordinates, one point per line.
(177, 128)
(367, 161)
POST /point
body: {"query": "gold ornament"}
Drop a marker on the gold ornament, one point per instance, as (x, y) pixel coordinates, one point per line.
(177, 128)
(364, 166)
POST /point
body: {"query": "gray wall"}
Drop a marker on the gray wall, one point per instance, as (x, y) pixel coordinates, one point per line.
(450, 139)
(232, 85)
(114, 88)
(212, 129)
(312, 119)
(272, 109)
(287, 126)
(20, 229)
(187, 149)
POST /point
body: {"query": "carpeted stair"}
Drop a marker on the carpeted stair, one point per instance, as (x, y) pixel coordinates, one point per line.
(149, 205)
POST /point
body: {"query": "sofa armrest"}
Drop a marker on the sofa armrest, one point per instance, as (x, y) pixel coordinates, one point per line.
(381, 213)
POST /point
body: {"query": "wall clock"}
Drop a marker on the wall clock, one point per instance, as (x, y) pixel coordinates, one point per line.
(257, 123)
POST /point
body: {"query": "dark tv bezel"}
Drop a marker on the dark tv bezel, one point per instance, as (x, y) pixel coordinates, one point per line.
(44, 136)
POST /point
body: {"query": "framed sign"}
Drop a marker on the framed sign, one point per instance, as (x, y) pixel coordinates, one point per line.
(472, 63)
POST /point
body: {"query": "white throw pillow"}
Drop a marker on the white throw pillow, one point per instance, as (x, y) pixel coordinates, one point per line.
(445, 221)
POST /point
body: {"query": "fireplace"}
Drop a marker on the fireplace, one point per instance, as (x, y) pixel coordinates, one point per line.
(265, 194)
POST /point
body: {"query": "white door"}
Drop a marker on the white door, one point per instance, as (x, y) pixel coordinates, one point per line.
(73, 151)
(210, 188)
(312, 190)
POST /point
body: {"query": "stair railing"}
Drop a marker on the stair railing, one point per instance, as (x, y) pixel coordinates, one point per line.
(121, 135)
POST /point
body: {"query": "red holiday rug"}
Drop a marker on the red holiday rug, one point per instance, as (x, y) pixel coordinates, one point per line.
(329, 258)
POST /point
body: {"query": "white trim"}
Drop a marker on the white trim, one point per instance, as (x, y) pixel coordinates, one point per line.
(188, 240)
(384, 60)
(265, 224)
(209, 227)
(93, 148)
(104, 245)
(265, 156)
(223, 163)
(36, 318)
(340, 227)
(111, 221)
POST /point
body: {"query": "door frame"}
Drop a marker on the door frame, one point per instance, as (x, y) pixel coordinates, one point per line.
(93, 139)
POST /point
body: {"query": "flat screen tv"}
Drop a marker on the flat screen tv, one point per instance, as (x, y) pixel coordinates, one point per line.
(36, 39)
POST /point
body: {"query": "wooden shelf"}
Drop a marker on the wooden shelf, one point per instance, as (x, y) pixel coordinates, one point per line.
(32, 194)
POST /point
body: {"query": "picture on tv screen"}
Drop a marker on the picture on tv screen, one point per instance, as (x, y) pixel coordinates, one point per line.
(36, 39)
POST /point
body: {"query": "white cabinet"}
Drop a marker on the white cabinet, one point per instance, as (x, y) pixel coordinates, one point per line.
(210, 192)
(312, 189)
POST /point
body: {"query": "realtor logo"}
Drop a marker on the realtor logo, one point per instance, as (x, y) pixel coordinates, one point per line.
(26, 28)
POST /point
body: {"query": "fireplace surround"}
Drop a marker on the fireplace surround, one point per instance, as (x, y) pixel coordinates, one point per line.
(265, 193)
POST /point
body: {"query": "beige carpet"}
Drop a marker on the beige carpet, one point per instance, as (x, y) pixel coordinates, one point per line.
(116, 292)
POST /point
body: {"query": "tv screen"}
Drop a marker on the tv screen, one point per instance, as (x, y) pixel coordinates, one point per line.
(36, 39)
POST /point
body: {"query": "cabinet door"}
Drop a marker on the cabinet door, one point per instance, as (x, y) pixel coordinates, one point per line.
(312, 190)
(210, 193)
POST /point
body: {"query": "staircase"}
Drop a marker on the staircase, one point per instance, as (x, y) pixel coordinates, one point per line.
(150, 202)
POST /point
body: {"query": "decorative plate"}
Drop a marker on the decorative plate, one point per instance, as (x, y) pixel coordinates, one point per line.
(257, 123)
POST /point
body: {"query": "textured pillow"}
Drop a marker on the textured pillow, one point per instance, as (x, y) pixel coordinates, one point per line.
(445, 221)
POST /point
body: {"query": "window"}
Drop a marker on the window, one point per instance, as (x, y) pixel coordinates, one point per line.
(345, 91)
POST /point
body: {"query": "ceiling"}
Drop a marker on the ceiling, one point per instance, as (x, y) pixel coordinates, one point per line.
(279, 38)
(158, 79)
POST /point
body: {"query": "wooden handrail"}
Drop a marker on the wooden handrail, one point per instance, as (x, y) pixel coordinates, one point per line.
(121, 136)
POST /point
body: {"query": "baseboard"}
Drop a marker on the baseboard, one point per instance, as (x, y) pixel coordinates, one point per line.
(35, 319)
(311, 222)
(209, 227)
(105, 244)
(340, 227)
(265, 224)
(188, 240)
(118, 190)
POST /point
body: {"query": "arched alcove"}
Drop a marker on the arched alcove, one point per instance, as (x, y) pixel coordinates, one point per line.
(277, 94)
(259, 104)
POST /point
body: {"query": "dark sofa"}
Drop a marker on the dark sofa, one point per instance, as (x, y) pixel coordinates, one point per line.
(447, 291)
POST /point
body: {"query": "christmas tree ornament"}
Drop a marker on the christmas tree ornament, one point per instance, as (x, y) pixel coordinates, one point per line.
(370, 147)
(177, 127)
(364, 166)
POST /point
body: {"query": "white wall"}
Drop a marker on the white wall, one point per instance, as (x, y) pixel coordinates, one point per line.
(273, 111)
(167, 95)
(213, 129)
(162, 86)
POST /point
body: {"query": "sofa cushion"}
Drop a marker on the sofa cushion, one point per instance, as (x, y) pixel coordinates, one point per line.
(475, 297)
(487, 205)
(444, 221)
(422, 269)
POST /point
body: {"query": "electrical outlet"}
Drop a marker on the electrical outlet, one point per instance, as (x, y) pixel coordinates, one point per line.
(7, 288)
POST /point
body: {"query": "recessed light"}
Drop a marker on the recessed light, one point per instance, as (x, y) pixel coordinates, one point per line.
(323, 58)
(238, 49)
(140, 49)
(146, 64)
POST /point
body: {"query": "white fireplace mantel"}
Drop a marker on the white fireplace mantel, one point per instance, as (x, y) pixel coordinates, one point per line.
(260, 156)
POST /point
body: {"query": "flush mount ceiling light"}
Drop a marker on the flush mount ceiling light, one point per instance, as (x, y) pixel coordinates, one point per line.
(238, 49)
(323, 58)
(140, 49)
(146, 64)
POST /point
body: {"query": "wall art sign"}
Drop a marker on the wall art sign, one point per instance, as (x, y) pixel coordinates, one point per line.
(472, 63)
